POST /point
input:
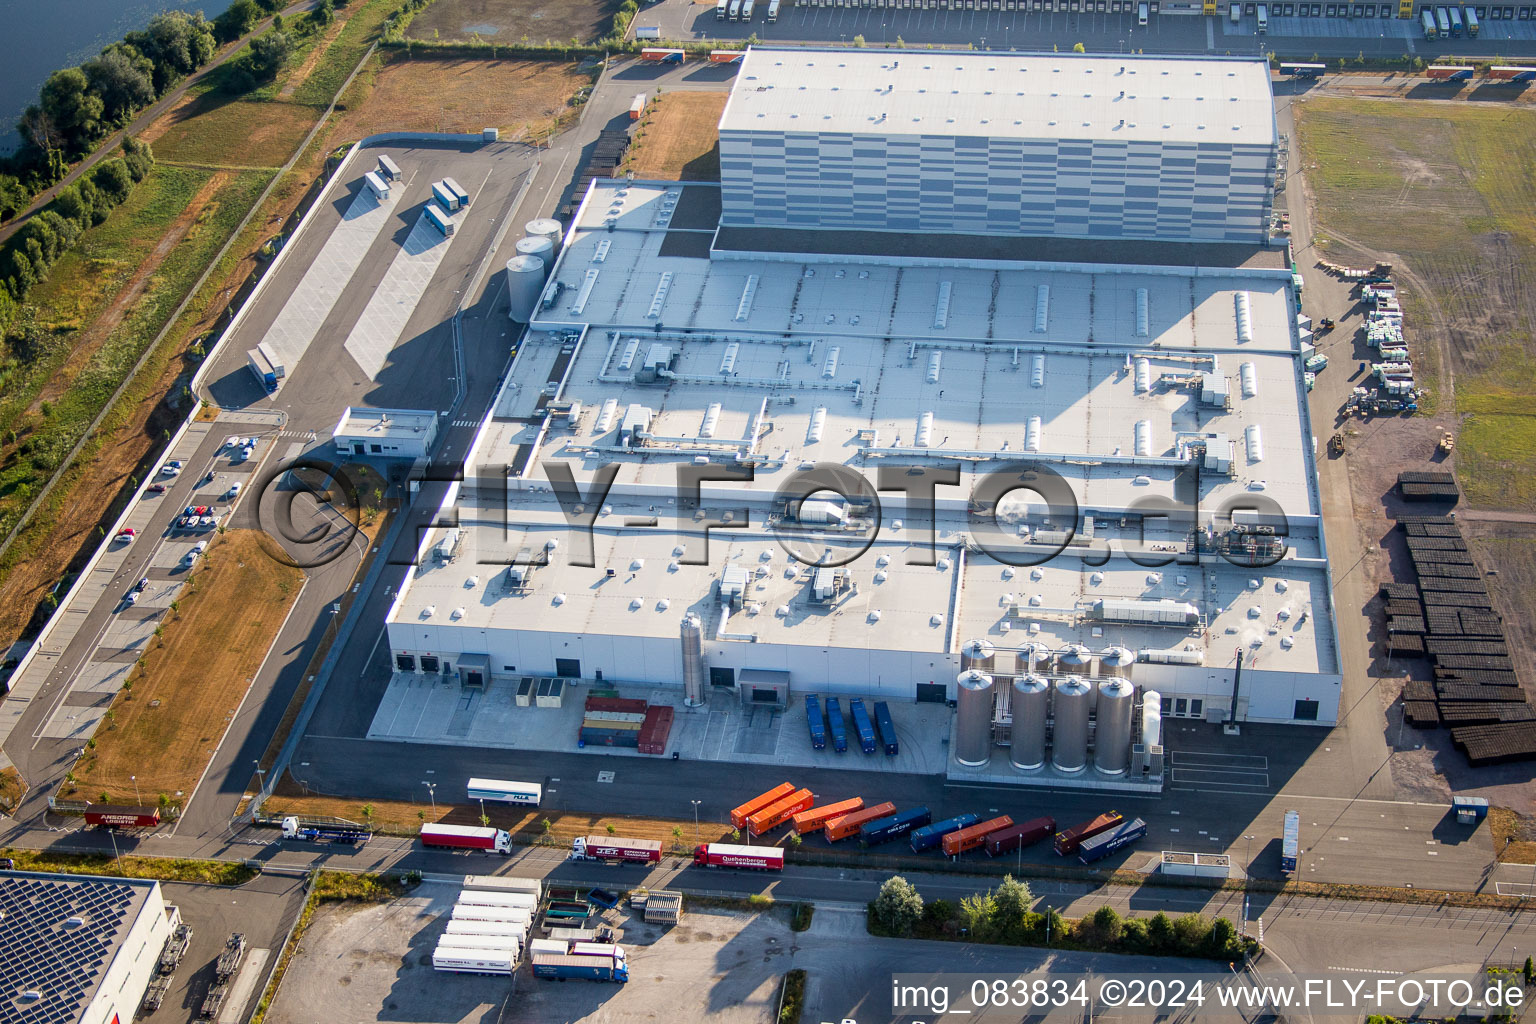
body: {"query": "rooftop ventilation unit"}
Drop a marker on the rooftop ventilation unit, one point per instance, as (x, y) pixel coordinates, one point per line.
(1248, 376)
(711, 420)
(941, 310)
(1042, 307)
(584, 293)
(1144, 438)
(627, 359)
(605, 416)
(924, 430)
(1143, 318)
(1244, 317)
(659, 299)
(1255, 442)
(1032, 434)
(1142, 367)
(1037, 371)
(829, 368)
(818, 425)
(744, 307)
(728, 361)
(934, 359)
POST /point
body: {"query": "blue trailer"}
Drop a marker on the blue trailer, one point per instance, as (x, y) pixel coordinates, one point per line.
(862, 725)
(887, 728)
(929, 836)
(586, 968)
(813, 720)
(835, 725)
(1106, 843)
(883, 830)
(1290, 842)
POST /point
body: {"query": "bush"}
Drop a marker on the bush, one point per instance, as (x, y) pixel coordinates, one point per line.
(898, 907)
(802, 919)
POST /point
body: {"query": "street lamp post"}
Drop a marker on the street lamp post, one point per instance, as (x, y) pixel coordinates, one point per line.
(136, 798)
(260, 772)
(1248, 868)
(431, 795)
(696, 836)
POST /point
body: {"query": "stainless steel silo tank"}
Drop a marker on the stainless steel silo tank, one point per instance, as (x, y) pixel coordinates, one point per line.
(543, 248)
(979, 655)
(545, 227)
(1031, 705)
(1069, 739)
(973, 718)
(525, 283)
(693, 661)
(1112, 742)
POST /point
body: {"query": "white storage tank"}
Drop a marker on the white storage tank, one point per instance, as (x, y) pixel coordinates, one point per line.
(545, 227)
(973, 718)
(1069, 739)
(1112, 743)
(543, 248)
(525, 283)
(693, 661)
(1031, 705)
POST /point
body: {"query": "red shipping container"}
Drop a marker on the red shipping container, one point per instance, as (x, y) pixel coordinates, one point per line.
(624, 704)
(655, 730)
(1027, 834)
(956, 843)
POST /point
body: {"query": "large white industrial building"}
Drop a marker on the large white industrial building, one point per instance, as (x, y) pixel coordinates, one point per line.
(1060, 145)
(1166, 399)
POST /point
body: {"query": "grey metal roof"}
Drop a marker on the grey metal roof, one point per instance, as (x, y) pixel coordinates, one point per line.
(57, 938)
(1003, 96)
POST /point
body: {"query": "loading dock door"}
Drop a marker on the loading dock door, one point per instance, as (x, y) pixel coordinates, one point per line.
(932, 693)
(725, 677)
(568, 668)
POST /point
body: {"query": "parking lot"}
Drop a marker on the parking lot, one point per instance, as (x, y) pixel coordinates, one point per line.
(262, 910)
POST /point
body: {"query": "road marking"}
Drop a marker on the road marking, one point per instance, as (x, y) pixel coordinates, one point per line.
(1365, 970)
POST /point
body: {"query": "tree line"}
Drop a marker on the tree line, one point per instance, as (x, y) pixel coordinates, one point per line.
(79, 106)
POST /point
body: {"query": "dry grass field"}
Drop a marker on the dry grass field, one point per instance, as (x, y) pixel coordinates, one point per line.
(678, 138)
(421, 94)
(1446, 190)
(166, 727)
(214, 131)
(514, 21)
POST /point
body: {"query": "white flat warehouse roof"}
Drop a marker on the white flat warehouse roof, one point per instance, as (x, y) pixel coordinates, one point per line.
(1003, 96)
(376, 423)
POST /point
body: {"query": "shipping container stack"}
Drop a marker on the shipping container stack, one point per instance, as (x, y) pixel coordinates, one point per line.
(626, 722)
(1475, 692)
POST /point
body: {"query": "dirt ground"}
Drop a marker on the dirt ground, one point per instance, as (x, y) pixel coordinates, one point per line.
(461, 96)
(167, 726)
(678, 138)
(515, 21)
(374, 962)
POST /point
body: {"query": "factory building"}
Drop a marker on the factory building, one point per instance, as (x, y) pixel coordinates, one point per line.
(849, 470)
(1043, 145)
(78, 949)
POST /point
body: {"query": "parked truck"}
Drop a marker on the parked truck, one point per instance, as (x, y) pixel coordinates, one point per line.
(815, 723)
(740, 814)
(585, 968)
(893, 826)
(780, 811)
(1290, 842)
(121, 816)
(293, 828)
(886, 728)
(723, 855)
(1027, 834)
(967, 839)
(466, 837)
(849, 824)
(1068, 840)
(1105, 843)
(817, 817)
(267, 369)
(835, 726)
(614, 848)
(929, 836)
(862, 725)
(637, 106)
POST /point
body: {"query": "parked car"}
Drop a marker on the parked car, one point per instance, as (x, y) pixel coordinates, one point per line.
(197, 549)
(172, 468)
(126, 534)
(157, 488)
(132, 597)
(140, 586)
(233, 492)
(247, 452)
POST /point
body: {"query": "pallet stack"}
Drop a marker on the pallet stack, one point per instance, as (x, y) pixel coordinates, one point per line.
(607, 155)
(1428, 485)
(1475, 690)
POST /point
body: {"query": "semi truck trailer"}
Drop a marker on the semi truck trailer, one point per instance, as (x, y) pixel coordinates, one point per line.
(293, 828)
(1105, 843)
(815, 723)
(502, 883)
(1027, 834)
(473, 961)
(1290, 842)
(586, 968)
(849, 824)
(967, 839)
(893, 826)
(513, 900)
(929, 836)
(121, 816)
(723, 855)
(835, 726)
(1068, 840)
(887, 729)
(740, 815)
(527, 794)
(817, 817)
(466, 837)
(780, 811)
(862, 726)
(614, 848)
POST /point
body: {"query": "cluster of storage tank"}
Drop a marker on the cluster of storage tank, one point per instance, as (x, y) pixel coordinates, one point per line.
(527, 271)
(1070, 700)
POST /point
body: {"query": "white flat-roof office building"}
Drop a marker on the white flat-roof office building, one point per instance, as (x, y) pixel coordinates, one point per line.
(1167, 400)
(1063, 145)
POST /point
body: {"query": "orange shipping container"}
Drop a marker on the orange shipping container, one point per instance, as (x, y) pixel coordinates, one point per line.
(778, 813)
(816, 817)
(848, 824)
(740, 815)
(957, 843)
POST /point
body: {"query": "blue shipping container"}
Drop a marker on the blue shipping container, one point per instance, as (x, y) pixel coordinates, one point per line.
(899, 824)
(1290, 842)
(835, 725)
(813, 720)
(862, 725)
(887, 728)
(1106, 843)
(929, 836)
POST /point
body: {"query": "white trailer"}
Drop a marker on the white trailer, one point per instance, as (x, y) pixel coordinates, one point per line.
(506, 929)
(444, 196)
(457, 191)
(508, 915)
(376, 184)
(388, 169)
(503, 791)
(502, 883)
(491, 942)
(473, 961)
(515, 900)
(441, 221)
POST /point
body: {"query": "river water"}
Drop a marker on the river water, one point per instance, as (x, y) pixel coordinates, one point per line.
(42, 36)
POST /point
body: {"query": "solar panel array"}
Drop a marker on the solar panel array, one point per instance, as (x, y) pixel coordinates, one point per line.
(44, 950)
(1448, 617)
